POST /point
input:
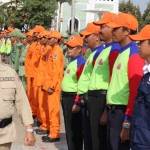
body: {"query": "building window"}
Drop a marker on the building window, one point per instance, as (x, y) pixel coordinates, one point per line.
(76, 25)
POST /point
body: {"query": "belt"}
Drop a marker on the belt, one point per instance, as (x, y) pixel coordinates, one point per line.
(96, 92)
(69, 93)
(113, 107)
(5, 122)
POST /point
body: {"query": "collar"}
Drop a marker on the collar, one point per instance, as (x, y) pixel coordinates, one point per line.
(93, 49)
(127, 46)
(108, 44)
(146, 68)
(74, 58)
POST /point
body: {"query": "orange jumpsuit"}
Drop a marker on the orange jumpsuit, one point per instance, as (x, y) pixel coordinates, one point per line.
(30, 72)
(39, 79)
(53, 78)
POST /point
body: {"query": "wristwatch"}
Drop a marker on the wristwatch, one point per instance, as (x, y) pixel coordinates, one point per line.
(126, 125)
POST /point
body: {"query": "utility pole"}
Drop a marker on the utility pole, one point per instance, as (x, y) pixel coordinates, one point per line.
(72, 16)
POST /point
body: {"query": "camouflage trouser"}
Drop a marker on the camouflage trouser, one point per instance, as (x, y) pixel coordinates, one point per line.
(23, 80)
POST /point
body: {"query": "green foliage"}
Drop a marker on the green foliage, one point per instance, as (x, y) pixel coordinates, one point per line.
(31, 12)
(38, 11)
(129, 7)
(146, 15)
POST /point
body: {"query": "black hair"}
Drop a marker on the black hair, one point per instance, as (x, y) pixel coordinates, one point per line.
(130, 30)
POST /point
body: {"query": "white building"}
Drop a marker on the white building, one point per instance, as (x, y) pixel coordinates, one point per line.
(85, 11)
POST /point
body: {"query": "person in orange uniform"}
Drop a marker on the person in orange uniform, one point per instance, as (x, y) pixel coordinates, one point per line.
(42, 95)
(52, 85)
(30, 70)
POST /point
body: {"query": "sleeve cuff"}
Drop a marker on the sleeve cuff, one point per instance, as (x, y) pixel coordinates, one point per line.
(77, 100)
(127, 118)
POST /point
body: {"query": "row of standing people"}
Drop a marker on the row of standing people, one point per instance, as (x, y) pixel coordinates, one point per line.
(44, 65)
(99, 94)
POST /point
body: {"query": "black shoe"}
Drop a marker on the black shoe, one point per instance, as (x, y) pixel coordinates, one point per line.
(36, 123)
(50, 140)
(41, 132)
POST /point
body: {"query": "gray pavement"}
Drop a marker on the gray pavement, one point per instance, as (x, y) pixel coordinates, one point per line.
(18, 145)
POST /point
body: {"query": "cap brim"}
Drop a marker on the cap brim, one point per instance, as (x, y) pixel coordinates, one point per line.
(113, 25)
(138, 37)
(100, 22)
(55, 37)
(72, 44)
(85, 33)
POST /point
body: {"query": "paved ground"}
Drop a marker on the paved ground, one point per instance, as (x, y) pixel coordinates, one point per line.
(39, 144)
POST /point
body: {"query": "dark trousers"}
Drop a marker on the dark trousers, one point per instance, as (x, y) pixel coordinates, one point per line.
(86, 128)
(73, 123)
(76, 124)
(137, 146)
(115, 120)
(96, 105)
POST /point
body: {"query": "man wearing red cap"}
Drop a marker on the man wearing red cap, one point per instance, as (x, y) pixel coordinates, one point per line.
(124, 82)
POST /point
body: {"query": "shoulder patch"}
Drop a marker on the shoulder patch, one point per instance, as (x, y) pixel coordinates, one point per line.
(100, 62)
(119, 66)
(68, 71)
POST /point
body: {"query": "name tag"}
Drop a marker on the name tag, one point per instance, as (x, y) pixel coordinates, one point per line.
(7, 79)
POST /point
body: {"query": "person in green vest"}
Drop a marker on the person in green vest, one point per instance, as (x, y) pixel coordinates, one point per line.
(102, 63)
(86, 51)
(5, 47)
(73, 121)
(18, 53)
(91, 33)
(125, 79)
(22, 56)
(91, 36)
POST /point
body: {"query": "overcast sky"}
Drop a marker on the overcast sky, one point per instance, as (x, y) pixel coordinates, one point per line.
(141, 3)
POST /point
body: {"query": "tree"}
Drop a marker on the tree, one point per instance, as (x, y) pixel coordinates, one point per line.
(8, 11)
(129, 7)
(29, 12)
(38, 11)
(146, 15)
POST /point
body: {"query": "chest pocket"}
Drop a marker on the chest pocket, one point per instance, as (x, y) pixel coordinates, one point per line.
(8, 90)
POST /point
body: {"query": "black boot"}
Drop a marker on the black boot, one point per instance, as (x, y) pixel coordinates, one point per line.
(41, 132)
(49, 140)
(36, 123)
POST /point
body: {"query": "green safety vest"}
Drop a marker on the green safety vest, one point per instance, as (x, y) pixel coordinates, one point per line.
(100, 75)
